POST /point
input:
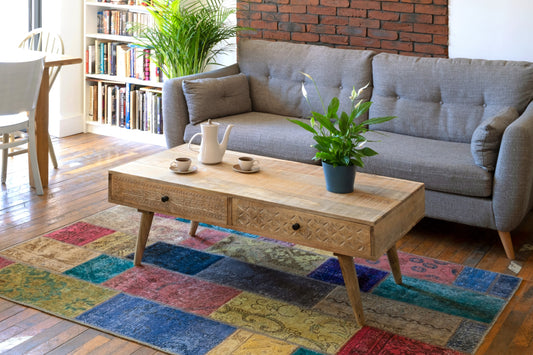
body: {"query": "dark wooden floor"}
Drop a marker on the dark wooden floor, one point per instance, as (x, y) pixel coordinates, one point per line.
(79, 189)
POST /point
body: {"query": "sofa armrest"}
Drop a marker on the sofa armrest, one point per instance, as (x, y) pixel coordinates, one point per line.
(175, 113)
(513, 177)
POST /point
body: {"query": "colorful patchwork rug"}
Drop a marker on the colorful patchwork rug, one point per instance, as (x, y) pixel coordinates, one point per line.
(224, 292)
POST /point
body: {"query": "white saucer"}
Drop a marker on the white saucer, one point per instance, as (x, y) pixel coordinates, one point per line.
(192, 169)
(254, 169)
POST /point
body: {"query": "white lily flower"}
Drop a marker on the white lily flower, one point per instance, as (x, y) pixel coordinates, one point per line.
(362, 89)
(304, 92)
(361, 144)
(354, 94)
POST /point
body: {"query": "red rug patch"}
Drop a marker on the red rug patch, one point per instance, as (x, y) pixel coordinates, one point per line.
(204, 239)
(419, 267)
(370, 341)
(177, 290)
(4, 263)
(80, 233)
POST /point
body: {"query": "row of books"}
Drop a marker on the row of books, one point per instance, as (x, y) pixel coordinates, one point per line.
(122, 23)
(128, 106)
(122, 60)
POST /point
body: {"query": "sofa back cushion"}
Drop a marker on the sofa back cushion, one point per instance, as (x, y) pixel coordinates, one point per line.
(274, 75)
(446, 99)
(216, 97)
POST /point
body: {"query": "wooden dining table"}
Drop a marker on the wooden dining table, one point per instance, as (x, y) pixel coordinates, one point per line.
(41, 113)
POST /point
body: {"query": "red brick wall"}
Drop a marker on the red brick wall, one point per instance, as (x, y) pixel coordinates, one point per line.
(413, 27)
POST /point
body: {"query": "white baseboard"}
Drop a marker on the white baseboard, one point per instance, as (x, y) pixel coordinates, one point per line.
(66, 126)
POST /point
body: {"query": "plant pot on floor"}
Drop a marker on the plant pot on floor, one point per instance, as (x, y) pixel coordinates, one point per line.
(339, 179)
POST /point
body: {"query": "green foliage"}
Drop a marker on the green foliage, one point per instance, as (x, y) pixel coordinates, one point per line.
(187, 35)
(340, 140)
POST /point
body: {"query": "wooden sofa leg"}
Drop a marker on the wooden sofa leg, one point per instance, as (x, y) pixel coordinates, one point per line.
(505, 237)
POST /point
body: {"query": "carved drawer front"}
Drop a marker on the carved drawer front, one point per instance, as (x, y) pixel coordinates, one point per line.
(347, 238)
(173, 200)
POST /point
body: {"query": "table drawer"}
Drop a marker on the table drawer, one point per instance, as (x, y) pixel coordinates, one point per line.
(173, 200)
(335, 235)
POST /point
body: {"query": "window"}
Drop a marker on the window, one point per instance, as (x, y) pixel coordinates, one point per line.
(21, 17)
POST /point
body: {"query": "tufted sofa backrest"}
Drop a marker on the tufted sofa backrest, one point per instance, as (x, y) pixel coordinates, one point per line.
(446, 99)
(274, 74)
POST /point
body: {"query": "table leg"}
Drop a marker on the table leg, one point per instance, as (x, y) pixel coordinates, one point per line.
(352, 286)
(144, 230)
(41, 129)
(394, 262)
(194, 227)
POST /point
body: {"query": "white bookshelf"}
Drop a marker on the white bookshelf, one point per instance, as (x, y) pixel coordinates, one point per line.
(103, 123)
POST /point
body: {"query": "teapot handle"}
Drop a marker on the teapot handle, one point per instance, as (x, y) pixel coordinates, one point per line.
(190, 140)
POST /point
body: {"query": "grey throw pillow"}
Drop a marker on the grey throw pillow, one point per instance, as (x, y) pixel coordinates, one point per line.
(487, 137)
(216, 97)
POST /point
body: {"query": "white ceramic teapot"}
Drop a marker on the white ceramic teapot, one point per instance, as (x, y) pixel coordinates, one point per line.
(211, 151)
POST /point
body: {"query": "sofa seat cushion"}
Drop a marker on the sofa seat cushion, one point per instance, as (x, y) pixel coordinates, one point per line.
(442, 166)
(263, 134)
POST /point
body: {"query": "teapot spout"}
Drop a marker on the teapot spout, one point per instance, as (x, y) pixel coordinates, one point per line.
(224, 143)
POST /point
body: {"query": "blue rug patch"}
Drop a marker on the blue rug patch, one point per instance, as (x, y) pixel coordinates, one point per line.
(504, 286)
(330, 271)
(165, 327)
(272, 283)
(176, 258)
(467, 336)
(100, 269)
(475, 279)
(442, 298)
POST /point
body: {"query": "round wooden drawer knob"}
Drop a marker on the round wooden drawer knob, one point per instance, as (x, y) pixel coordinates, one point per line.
(164, 199)
(296, 226)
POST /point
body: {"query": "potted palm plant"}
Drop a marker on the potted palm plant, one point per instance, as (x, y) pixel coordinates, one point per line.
(186, 35)
(340, 138)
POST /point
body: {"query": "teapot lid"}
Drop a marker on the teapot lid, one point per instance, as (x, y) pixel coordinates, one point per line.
(209, 123)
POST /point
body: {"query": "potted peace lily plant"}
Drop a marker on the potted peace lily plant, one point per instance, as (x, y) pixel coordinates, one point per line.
(340, 138)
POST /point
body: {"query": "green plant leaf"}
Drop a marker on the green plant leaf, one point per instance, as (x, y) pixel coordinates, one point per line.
(377, 120)
(325, 122)
(303, 125)
(344, 123)
(333, 107)
(368, 152)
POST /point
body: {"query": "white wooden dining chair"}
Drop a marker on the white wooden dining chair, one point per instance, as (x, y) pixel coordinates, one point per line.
(48, 42)
(19, 91)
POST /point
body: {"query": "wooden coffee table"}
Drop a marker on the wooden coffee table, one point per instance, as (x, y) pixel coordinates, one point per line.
(285, 200)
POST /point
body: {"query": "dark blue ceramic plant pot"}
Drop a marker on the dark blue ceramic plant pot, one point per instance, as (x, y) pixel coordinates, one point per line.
(339, 179)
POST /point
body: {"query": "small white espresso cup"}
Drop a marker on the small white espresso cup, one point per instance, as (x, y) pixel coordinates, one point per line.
(246, 163)
(181, 164)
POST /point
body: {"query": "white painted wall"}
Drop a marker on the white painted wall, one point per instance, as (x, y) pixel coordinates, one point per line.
(491, 29)
(66, 104)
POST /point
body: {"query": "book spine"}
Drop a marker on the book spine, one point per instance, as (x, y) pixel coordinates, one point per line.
(146, 64)
(102, 58)
(128, 106)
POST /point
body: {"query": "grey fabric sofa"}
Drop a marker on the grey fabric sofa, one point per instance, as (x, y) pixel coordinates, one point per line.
(464, 127)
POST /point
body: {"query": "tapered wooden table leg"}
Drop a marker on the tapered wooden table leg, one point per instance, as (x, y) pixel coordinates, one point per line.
(394, 262)
(352, 286)
(144, 230)
(194, 227)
